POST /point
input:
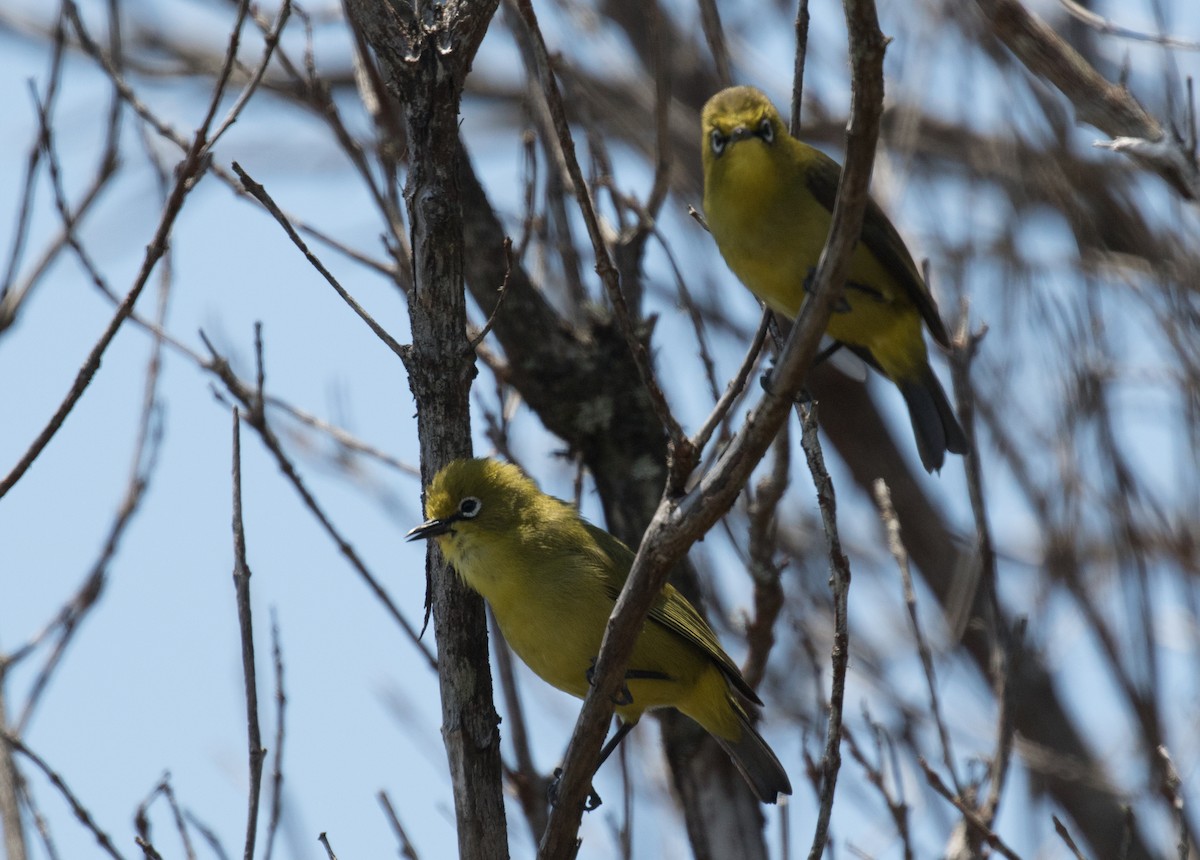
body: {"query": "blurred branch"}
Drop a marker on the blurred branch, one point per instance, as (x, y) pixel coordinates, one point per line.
(1105, 27)
(80, 811)
(801, 28)
(11, 823)
(280, 734)
(12, 293)
(529, 785)
(406, 850)
(897, 807)
(1065, 835)
(887, 513)
(604, 264)
(969, 814)
(1109, 107)
(1008, 664)
(762, 510)
(141, 818)
(1072, 775)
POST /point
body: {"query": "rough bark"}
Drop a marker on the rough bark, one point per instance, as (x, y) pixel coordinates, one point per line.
(427, 79)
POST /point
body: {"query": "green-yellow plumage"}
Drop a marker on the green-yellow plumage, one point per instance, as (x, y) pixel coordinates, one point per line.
(552, 579)
(768, 199)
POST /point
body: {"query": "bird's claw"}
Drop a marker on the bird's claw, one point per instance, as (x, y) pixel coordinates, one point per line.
(592, 801)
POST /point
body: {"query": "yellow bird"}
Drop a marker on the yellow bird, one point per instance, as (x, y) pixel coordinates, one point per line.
(552, 579)
(768, 199)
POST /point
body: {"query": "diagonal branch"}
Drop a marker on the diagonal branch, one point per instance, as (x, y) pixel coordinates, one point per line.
(680, 522)
(1098, 102)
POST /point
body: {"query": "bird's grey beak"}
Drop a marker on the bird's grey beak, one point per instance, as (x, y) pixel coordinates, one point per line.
(740, 133)
(430, 528)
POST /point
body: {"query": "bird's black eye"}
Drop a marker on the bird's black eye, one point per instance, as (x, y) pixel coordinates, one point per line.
(766, 131)
(717, 141)
(469, 508)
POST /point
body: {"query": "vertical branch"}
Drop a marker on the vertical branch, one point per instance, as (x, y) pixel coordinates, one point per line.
(710, 20)
(529, 785)
(887, 513)
(10, 807)
(764, 570)
(241, 584)
(425, 64)
(280, 711)
(839, 581)
(798, 72)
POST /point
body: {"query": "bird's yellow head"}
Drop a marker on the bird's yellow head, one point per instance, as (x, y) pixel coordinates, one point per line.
(474, 504)
(738, 116)
(480, 494)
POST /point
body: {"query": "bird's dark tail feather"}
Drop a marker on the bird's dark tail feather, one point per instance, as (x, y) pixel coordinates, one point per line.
(757, 762)
(936, 428)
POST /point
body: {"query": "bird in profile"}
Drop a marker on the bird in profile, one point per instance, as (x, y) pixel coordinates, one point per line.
(552, 579)
(768, 201)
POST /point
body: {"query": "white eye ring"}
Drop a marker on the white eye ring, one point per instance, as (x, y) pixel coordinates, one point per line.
(766, 131)
(469, 508)
(717, 141)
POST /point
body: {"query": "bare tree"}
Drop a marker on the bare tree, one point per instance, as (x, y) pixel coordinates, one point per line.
(1008, 673)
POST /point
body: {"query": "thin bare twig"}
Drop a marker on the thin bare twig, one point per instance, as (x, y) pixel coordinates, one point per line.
(764, 570)
(148, 850)
(189, 172)
(734, 389)
(209, 836)
(529, 784)
(11, 782)
(970, 816)
(146, 448)
(839, 580)
(1098, 102)
(1008, 668)
(270, 43)
(255, 416)
(81, 812)
(1065, 836)
(897, 807)
(605, 268)
(1105, 27)
(12, 294)
(503, 291)
(801, 28)
(141, 817)
(324, 840)
(260, 194)
(241, 582)
(887, 513)
(407, 850)
(280, 734)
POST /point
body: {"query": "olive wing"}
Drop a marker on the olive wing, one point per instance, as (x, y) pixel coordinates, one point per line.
(822, 176)
(672, 610)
